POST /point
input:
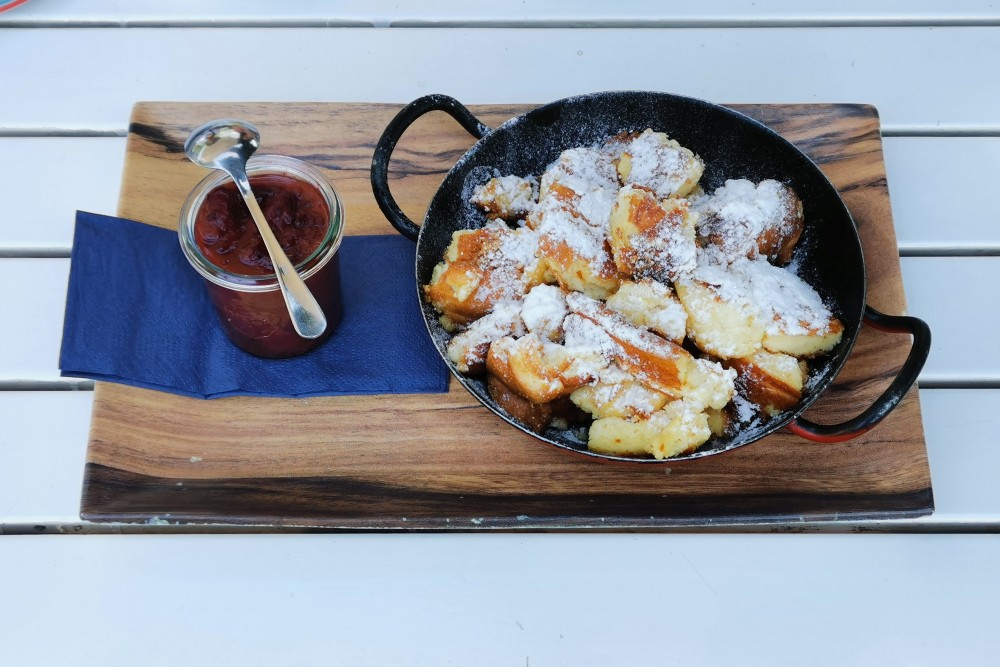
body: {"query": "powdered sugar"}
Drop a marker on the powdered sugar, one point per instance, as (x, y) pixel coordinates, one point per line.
(543, 311)
(736, 215)
(660, 164)
(589, 176)
(780, 300)
(786, 303)
(710, 385)
(625, 396)
(585, 165)
(583, 336)
(469, 347)
(594, 206)
(565, 237)
(558, 226)
(746, 412)
(665, 250)
(507, 196)
(508, 263)
(619, 329)
(589, 345)
(653, 305)
(724, 282)
(671, 320)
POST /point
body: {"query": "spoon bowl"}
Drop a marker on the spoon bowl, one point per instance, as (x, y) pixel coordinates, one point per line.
(222, 140)
(227, 144)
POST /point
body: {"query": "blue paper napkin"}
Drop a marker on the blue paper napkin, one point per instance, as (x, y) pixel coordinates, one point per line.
(138, 314)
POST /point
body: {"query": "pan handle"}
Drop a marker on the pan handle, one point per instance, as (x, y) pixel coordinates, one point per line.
(891, 397)
(387, 143)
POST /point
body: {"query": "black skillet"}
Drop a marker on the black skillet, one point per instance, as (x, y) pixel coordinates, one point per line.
(732, 146)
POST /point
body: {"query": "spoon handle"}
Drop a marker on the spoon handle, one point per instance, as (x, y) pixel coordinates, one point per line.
(307, 317)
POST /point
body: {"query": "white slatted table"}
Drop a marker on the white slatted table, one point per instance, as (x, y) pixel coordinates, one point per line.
(74, 69)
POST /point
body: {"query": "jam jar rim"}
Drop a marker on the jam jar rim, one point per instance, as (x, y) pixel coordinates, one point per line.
(267, 282)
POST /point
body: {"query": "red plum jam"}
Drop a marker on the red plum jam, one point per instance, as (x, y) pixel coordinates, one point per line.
(222, 243)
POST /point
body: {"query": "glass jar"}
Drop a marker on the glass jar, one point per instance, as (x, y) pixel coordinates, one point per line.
(250, 307)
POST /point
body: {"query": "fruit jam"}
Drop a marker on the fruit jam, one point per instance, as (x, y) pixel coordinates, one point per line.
(220, 239)
(226, 234)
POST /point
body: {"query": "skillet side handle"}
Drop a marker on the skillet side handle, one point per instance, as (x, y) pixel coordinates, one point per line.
(891, 397)
(387, 143)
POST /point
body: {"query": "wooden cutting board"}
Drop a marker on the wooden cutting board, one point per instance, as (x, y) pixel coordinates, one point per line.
(441, 460)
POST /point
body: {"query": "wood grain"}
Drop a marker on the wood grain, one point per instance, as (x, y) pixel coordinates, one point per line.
(443, 461)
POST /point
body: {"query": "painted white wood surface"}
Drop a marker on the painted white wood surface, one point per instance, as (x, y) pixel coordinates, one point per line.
(580, 12)
(921, 79)
(941, 189)
(37, 215)
(953, 294)
(508, 599)
(36, 296)
(43, 447)
(42, 457)
(535, 600)
(957, 297)
(960, 426)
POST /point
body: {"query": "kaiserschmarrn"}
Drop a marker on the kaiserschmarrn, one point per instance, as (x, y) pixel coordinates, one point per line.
(612, 292)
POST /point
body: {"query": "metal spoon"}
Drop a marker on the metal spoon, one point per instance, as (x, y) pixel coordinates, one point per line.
(227, 144)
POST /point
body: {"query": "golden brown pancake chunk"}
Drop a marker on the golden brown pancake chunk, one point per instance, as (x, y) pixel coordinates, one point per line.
(709, 385)
(735, 309)
(796, 321)
(468, 349)
(771, 381)
(658, 163)
(655, 361)
(481, 268)
(588, 180)
(509, 198)
(653, 305)
(722, 319)
(577, 193)
(560, 413)
(535, 368)
(652, 239)
(618, 394)
(679, 428)
(741, 219)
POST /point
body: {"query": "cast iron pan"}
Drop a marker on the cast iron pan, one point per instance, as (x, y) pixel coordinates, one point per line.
(732, 146)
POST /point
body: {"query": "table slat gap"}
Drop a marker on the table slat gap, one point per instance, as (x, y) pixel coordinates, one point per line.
(721, 23)
(46, 385)
(61, 132)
